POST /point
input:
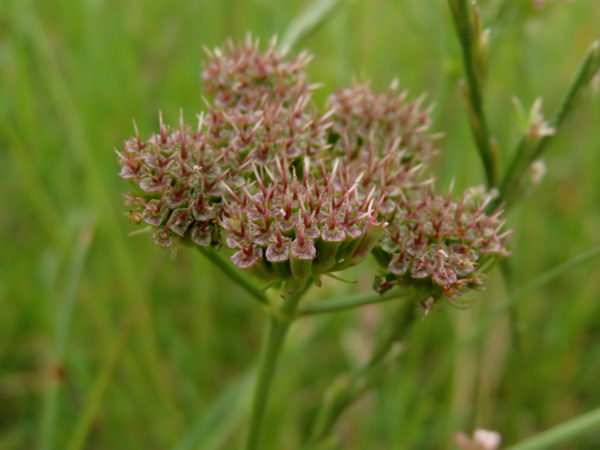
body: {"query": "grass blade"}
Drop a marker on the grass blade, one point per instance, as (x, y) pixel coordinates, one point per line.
(307, 22)
(561, 433)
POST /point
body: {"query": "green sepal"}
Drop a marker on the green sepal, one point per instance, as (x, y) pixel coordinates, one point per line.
(360, 248)
(327, 247)
(302, 258)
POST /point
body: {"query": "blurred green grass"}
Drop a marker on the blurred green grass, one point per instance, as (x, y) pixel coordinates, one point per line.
(107, 342)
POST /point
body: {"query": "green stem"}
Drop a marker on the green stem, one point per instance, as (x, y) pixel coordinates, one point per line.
(561, 433)
(513, 174)
(279, 322)
(461, 14)
(97, 392)
(307, 22)
(586, 71)
(234, 274)
(340, 304)
(521, 159)
(268, 362)
(347, 389)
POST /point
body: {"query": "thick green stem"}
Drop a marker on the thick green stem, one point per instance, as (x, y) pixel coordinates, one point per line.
(267, 366)
(279, 322)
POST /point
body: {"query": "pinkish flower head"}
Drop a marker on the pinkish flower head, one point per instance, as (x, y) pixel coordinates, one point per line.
(256, 175)
(295, 193)
(440, 245)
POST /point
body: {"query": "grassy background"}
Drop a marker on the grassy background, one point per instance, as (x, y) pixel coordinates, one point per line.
(108, 343)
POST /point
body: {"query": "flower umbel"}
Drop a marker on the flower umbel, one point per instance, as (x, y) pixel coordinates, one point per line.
(296, 193)
(257, 174)
(440, 245)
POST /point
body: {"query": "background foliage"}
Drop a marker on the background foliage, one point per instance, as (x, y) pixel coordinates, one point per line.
(106, 342)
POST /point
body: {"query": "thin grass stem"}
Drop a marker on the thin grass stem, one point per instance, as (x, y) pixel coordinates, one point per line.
(308, 22)
(101, 382)
(561, 433)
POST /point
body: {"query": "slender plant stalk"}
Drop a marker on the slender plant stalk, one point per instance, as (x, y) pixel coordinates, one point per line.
(354, 301)
(307, 22)
(62, 328)
(234, 274)
(587, 70)
(561, 433)
(347, 389)
(474, 46)
(512, 179)
(100, 384)
(279, 321)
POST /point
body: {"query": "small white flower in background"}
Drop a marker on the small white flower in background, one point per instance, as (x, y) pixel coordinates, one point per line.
(595, 83)
(479, 195)
(538, 127)
(537, 170)
(482, 440)
(532, 123)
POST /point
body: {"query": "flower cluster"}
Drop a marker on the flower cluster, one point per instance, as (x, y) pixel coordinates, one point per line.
(256, 175)
(244, 78)
(296, 193)
(440, 245)
(383, 139)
